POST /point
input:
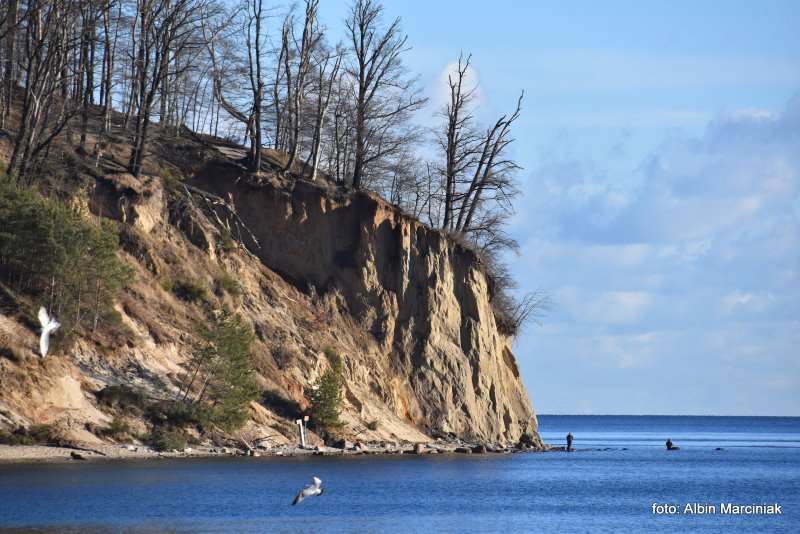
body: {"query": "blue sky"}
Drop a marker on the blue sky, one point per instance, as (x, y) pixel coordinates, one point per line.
(661, 151)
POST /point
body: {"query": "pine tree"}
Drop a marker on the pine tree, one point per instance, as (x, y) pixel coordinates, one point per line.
(70, 264)
(222, 367)
(326, 396)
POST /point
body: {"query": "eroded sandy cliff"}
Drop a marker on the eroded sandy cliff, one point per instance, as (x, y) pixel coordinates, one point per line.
(407, 307)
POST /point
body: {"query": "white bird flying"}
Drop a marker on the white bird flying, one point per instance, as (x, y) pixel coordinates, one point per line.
(312, 490)
(49, 325)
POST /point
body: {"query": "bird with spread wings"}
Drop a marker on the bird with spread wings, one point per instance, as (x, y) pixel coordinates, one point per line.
(49, 325)
(312, 490)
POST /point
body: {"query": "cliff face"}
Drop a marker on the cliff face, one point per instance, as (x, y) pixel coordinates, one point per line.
(445, 366)
(407, 308)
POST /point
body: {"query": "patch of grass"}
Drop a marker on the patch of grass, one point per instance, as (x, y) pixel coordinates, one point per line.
(123, 397)
(373, 425)
(162, 439)
(116, 327)
(227, 243)
(171, 182)
(117, 429)
(226, 282)
(166, 284)
(189, 290)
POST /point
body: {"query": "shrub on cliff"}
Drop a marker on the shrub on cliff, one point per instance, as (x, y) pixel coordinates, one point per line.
(226, 282)
(33, 435)
(51, 252)
(222, 366)
(326, 395)
(117, 429)
(123, 397)
(511, 312)
(188, 290)
(163, 439)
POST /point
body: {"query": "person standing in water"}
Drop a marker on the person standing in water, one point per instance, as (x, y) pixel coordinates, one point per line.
(569, 441)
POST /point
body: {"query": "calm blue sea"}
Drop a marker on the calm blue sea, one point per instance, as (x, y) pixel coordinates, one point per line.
(608, 485)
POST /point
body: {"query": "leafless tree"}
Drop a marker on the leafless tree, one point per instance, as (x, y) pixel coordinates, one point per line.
(251, 19)
(165, 26)
(110, 36)
(296, 85)
(326, 78)
(459, 140)
(492, 175)
(385, 96)
(46, 44)
(9, 29)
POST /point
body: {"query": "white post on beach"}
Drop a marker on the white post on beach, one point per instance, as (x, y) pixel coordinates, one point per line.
(299, 423)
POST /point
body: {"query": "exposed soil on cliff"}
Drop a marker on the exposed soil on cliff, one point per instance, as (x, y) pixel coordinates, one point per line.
(310, 267)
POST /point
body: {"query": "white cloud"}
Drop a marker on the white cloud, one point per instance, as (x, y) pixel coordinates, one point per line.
(686, 272)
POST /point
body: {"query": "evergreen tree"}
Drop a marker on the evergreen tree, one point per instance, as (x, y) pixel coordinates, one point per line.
(222, 367)
(69, 263)
(326, 396)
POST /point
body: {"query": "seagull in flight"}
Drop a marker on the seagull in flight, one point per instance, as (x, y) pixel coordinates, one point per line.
(49, 325)
(312, 490)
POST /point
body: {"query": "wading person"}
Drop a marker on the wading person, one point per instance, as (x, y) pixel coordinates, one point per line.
(569, 441)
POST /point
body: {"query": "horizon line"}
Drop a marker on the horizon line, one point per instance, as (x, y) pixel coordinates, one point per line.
(652, 415)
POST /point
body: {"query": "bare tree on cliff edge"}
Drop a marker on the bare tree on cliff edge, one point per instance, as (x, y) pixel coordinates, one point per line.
(385, 96)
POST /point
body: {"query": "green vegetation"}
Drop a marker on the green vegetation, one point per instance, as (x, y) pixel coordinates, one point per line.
(162, 439)
(178, 414)
(227, 243)
(326, 396)
(225, 281)
(171, 182)
(117, 429)
(373, 425)
(50, 251)
(187, 289)
(33, 435)
(222, 366)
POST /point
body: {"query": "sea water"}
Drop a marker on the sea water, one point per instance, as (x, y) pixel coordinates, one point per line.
(619, 479)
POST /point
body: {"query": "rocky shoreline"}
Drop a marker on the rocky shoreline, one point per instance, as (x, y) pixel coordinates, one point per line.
(43, 453)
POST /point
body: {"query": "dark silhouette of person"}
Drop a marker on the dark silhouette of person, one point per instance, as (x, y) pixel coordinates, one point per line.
(670, 446)
(569, 441)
